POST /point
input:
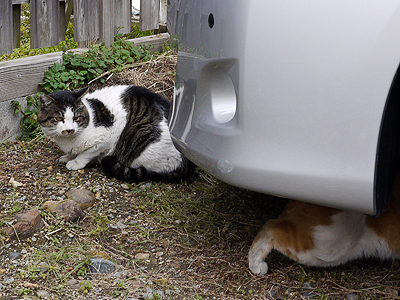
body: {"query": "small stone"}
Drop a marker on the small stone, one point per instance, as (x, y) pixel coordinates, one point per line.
(43, 294)
(142, 256)
(272, 294)
(307, 285)
(309, 295)
(33, 286)
(84, 198)
(8, 280)
(121, 225)
(391, 292)
(159, 253)
(27, 224)
(15, 255)
(351, 297)
(43, 267)
(15, 183)
(2, 271)
(73, 283)
(101, 265)
(125, 186)
(69, 209)
(29, 297)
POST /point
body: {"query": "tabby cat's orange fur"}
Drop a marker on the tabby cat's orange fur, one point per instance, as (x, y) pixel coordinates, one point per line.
(314, 235)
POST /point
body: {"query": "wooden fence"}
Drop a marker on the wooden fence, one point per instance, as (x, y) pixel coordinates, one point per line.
(94, 21)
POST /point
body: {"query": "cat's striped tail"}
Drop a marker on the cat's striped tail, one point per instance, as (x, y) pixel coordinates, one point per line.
(113, 168)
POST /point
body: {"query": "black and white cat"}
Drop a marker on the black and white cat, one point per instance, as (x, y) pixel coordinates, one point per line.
(123, 127)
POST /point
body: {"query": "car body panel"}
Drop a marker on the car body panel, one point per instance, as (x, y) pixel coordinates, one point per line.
(286, 97)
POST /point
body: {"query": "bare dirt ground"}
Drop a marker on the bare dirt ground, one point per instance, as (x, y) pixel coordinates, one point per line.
(167, 241)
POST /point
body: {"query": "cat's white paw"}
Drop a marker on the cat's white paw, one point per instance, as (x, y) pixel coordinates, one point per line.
(75, 165)
(258, 267)
(65, 158)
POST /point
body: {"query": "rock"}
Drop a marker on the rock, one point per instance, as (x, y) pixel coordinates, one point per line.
(309, 295)
(32, 286)
(8, 280)
(84, 198)
(125, 186)
(15, 183)
(29, 297)
(43, 294)
(272, 294)
(74, 284)
(27, 224)
(391, 292)
(15, 255)
(142, 256)
(43, 267)
(101, 265)
(307, 285)
(351, 297)
(68, 209)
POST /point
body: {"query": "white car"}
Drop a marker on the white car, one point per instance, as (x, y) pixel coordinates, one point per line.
(299, 99)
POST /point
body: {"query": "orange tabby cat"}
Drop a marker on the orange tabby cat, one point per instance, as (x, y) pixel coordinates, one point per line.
(314, 235)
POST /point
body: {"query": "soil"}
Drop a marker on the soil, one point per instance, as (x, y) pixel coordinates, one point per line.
(167, 241)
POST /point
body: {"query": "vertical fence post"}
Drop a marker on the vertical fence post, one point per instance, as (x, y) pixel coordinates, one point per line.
(6, 27)
(107, 21)
(45, 26)
(122, 18)
(149, 14)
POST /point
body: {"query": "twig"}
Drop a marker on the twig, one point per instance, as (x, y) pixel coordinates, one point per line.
(50, 233)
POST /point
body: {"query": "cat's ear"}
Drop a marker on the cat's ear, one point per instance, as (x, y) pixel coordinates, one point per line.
(80, 93)
(45, 100)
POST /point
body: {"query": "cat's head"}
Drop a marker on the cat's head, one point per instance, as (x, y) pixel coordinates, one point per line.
(63, 114)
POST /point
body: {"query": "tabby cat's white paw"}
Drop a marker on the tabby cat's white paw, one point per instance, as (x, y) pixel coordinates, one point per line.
(258, 267)
(75, 165)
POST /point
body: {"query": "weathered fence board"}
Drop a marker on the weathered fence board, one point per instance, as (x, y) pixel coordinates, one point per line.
(45, 23)
(149, 14)
(123, 12)
(6, 29)
(21, 77)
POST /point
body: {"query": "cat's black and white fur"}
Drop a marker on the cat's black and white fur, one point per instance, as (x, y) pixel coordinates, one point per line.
(123, 127)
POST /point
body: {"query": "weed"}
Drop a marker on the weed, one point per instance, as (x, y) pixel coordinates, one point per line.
(29, 123)
(24, 291)
(77, 70)
(86, 286)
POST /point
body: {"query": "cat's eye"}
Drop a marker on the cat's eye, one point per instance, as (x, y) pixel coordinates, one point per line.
(77, 119)
(59, 119)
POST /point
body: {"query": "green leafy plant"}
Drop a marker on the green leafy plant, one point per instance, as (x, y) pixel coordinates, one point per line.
(86, 286)
(29, 123)
(77, 70)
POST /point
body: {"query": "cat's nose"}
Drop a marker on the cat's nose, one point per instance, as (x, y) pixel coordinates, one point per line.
(68, 131)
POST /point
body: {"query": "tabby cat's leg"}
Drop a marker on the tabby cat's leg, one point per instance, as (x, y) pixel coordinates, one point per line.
(66, 158)
(259, 250)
